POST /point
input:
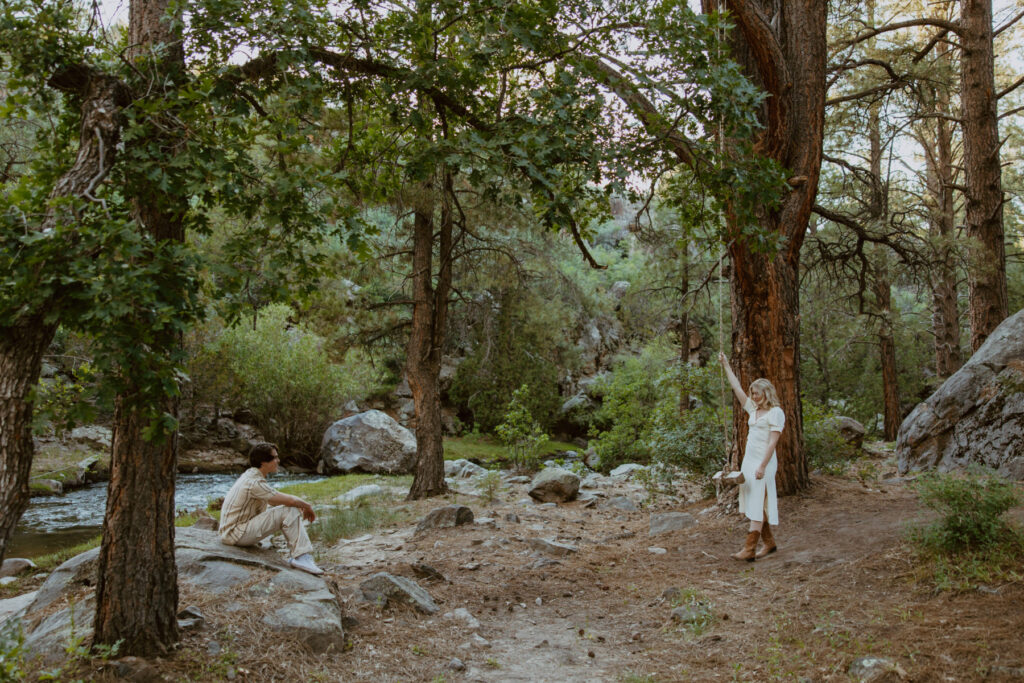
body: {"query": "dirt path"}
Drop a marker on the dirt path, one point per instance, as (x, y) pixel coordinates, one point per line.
(840, 587)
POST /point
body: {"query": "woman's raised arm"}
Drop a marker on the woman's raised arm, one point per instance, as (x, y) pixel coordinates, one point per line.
(741, 396)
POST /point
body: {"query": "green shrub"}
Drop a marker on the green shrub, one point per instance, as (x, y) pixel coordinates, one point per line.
(523, 343)
(691, 439)
(285, 377)
(826, 448)
(12, 651)
(364, 516)
(520, 432)
(629, 395)
(971, 509)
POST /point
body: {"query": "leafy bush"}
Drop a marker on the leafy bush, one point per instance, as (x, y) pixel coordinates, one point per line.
(517, 339)
(629, 395)
(520, 432)
(285, 377)
(826, 448)
(642, 419)
(971, 508)
(692, 439)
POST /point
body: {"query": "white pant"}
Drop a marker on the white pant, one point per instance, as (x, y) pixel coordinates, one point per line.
(287, 520)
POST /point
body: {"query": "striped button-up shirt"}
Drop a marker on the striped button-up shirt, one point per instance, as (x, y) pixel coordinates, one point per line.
(247, 498)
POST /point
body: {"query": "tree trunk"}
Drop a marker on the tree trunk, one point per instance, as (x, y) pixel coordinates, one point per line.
(982, 174)
(781, 46)
(429, 318)
(23, 342)
(137, 590)
(887, 355)
(21, 354)
(945, 316)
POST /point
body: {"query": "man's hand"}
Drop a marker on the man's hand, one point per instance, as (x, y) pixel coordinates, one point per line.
(307, 511)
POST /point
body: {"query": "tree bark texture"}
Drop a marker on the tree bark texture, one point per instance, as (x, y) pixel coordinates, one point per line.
(429, 320)
(25, 341)
(943, 278)
(887, 357)
(21, 353)
(982, 174)
(781, 46)
(137, 588)
(137, 591)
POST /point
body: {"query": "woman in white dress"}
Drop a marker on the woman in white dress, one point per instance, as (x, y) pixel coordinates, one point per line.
(758, 499)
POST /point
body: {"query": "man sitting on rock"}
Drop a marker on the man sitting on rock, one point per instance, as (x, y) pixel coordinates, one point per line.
(245, 518)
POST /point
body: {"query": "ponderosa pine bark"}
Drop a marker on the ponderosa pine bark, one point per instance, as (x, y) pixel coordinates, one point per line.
(24, 342)
(941, 227)
(137, 589)
(989, 304)
(782, 48)
(429, 319)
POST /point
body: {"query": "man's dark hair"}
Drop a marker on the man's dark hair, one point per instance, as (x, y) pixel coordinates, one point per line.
(261, 453)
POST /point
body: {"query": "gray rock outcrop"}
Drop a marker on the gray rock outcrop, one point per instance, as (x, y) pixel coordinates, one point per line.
(367, 442)
(554, 485)
(849, 429)
(445, 517)
(977, 415)
(287, 600)
(665, 522)
(384, 588)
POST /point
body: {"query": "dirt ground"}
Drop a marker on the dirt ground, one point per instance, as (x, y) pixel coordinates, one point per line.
(842, 586)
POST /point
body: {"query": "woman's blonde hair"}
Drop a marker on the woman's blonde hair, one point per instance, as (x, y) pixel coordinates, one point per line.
(767, 389)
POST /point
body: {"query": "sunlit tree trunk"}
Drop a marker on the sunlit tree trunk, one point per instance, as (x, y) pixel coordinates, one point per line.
(429, 319)
(782, 47)
(982, 174)
(940, 182)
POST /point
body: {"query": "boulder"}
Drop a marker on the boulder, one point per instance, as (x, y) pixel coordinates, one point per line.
(619, 289)
(852, 431)
(549, 547)
(977, 415)
(46, 487)
(665, 522)
(367, 442)
(554, 485)
(358, 492)
(93, 436)
(445, 517)
(92, 469)
(627, 471)
(868, 669)
(13, 566)
(462, 469)
(384, 588)
(292, 602)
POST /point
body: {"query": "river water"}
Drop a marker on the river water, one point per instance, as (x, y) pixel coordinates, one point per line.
(55, 522)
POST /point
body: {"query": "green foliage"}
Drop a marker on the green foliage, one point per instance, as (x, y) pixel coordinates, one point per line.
(62, 403)
(326, 490)
(53, 560)
(490, 486)
(520, 345)
(12, 651)
(971, 509)
(364, 516)
(826, 448)
(520, 432)
(286, 378)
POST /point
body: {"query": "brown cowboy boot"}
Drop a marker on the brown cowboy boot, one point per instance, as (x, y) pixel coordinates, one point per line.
(769, 541)
(749, 547)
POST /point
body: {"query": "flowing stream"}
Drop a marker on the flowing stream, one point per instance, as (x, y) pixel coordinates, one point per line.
(55, 522)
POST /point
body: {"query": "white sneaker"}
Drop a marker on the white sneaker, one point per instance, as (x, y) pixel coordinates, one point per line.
(305, 563)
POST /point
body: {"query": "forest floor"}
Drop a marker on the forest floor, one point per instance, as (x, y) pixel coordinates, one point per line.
(843, 585)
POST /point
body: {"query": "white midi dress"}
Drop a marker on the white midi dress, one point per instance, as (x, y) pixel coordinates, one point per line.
(758, 496)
